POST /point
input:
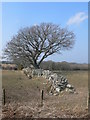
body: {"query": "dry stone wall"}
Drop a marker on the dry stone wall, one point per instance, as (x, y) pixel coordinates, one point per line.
(58, 83)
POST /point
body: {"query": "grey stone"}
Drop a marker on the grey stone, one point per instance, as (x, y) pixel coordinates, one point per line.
(58, 82)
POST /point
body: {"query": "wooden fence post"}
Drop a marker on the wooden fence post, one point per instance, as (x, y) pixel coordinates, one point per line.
(42, 96)
(4, 99)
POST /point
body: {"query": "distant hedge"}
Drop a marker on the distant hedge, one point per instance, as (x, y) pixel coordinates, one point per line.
(63, 66)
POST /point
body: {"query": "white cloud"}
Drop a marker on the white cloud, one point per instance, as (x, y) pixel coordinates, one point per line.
(77, 18)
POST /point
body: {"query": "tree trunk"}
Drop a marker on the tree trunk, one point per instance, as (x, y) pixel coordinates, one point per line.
(36, 66)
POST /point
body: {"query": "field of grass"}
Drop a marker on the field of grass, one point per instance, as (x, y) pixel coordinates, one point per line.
(23, 96)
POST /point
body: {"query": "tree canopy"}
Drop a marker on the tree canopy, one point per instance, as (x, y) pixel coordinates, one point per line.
(31, 45)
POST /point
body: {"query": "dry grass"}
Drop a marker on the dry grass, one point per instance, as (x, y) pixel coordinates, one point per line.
(23, 96)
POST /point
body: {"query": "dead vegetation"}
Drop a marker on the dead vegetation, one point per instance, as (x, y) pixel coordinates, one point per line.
(23, 97)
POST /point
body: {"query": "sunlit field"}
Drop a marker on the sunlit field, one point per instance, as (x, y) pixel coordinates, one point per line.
(23, 96)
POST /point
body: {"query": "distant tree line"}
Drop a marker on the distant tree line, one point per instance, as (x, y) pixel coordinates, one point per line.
(50, 65)
(47, 65)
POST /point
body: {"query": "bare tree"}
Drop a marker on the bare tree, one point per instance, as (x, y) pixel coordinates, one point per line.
(33, 44)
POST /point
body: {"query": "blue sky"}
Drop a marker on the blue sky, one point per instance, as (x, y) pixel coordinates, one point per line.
(71, 15)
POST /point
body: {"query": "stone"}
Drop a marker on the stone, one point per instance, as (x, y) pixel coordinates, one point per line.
(29, 76)
(58, 82)
(37, 72)
(58, 89)
(46, 74)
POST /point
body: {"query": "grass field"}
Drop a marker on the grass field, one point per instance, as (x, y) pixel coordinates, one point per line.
(23, 96)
